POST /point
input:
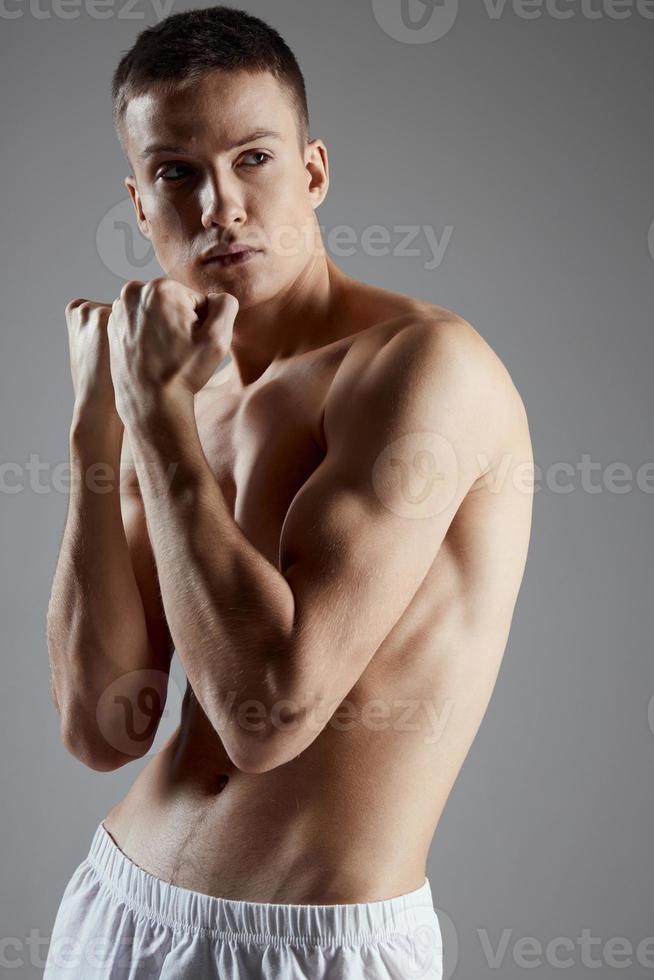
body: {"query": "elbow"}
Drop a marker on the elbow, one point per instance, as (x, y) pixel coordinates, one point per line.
(100, 763)
(262, 757)
(105, 733)
(93, 752)
(274, 743)
(92, 758)
(255, 759)
(268, 728)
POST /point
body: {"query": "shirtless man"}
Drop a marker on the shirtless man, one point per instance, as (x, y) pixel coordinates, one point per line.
(336, 557)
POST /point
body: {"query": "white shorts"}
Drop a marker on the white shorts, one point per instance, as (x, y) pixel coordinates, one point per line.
(117, 920)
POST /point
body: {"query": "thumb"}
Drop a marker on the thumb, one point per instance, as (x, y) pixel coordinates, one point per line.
(219, 304)
(219, 320)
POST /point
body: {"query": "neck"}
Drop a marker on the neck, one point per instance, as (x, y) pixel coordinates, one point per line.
(303, 316)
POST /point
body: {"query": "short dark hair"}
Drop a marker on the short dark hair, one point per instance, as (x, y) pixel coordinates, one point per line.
(187, 46)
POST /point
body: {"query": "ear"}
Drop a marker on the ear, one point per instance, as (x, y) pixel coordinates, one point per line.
(130, 184)
(316, 163)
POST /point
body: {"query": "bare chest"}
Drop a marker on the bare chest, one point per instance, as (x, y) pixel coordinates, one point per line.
(260, 446)
(261, 449)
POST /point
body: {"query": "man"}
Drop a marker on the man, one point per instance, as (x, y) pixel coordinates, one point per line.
(331, 531)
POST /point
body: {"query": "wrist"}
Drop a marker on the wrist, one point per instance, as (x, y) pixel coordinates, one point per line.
(151, 406)
(89, 425)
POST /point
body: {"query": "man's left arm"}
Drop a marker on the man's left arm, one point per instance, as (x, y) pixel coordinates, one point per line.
(408, 433)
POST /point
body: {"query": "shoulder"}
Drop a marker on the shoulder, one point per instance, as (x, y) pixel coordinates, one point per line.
(427, 368)
(435, 346)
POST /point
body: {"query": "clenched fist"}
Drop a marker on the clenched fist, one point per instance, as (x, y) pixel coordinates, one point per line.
(90, 369)
(163, 334)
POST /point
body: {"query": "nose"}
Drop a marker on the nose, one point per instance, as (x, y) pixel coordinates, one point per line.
(221, 205)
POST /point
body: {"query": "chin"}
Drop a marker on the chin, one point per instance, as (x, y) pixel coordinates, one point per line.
(247, 293)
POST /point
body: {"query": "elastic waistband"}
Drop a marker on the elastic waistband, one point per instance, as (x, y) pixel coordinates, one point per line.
(191, 911)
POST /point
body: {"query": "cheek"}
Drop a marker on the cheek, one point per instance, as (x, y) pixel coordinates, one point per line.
(172, 244)
(167, 220)
(173, 234)
(287, 219)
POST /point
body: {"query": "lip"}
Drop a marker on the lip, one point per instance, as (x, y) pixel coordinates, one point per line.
(225, 256)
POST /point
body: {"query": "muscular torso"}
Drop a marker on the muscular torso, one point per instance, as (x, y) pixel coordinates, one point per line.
(352, 817)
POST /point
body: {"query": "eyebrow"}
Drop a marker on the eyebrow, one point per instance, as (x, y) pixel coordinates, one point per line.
(172, 148)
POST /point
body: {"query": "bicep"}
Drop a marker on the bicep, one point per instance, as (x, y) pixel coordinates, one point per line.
(361, 535)
(352, 577)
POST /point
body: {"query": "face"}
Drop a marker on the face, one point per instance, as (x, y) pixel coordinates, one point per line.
(224, 183)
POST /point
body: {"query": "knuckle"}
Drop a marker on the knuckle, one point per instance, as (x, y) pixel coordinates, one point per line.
(155, 290)
(159, 286)
(73, 303)
(86, 308)
(130, 289)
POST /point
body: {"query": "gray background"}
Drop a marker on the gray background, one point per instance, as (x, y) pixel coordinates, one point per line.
(531, 139)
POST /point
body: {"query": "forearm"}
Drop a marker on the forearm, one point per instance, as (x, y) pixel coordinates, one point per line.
(229, 610)
(96, 628)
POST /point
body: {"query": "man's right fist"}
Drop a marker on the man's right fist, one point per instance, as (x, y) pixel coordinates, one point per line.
(89, 357)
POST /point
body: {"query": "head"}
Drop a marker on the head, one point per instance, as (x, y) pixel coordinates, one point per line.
(210, 108)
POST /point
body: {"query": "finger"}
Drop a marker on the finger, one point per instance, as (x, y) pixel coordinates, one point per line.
(198, 300)
(74, 303)
(221, 310)
(221, 305)
(132, 295)
(89, 304)
(167, 286)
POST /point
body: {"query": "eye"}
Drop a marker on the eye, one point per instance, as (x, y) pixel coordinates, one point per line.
(172, 167)
(258, 153)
